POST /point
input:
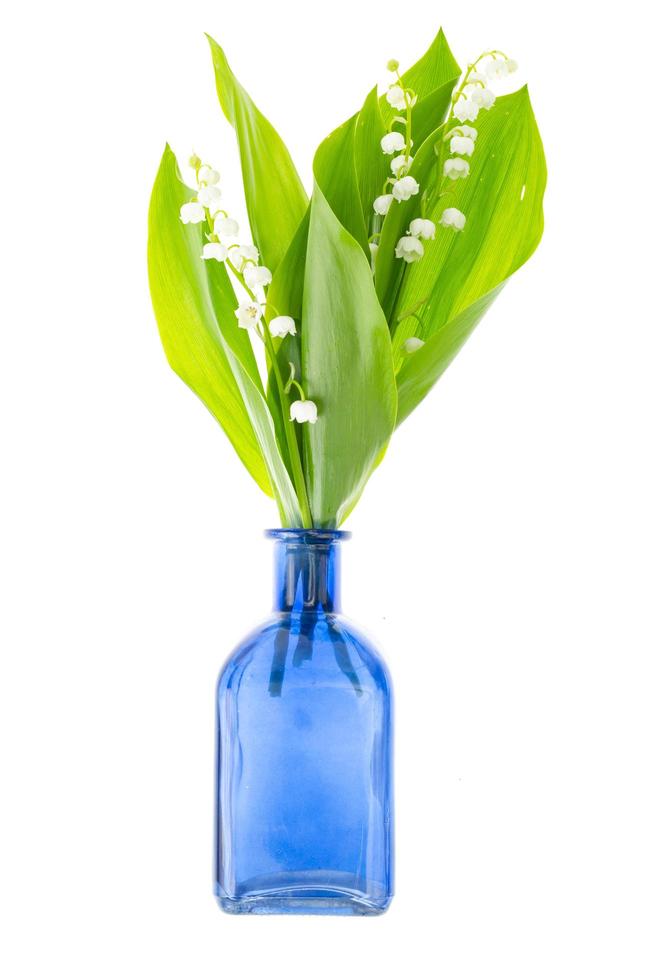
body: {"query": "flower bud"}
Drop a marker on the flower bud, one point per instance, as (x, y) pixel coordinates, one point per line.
(393, 65)
(194, 161)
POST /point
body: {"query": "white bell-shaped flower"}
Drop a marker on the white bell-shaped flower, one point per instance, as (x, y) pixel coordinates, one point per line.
(382, 203)
(209, 196)
(249, 314)
(280, 326)
(256, 276)
(214, 250)
(453, 218)
(454, 168)
(512, 66)
(393, 143)
(483, 98)
(208, 176)
(249, 252)
(467, 131)
(466, 109)
(192, 213)
(396, 97)
(412, 344)
(304, 411)
(496, 68)
(238, 254)
(422, 228)
(409, 249)
(405, 188)
(463, 145)
(400, 164)
(226, 227)
(476, 78)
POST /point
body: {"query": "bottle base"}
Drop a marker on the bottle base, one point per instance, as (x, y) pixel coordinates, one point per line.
(301, 900)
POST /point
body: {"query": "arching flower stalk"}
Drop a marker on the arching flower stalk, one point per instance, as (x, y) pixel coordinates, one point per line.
(400, 186)
(242, 263)
(457, 142)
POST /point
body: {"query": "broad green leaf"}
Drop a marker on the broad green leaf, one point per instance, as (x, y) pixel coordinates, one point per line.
(461, 273)
(194, 305)
(437, 67)
(372, 165)
(346, 367)
(334, 170)
(389, 272)
(275, 198)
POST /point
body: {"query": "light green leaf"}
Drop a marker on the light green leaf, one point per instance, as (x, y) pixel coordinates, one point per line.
(389, 272)
(461, 273)
(194, 305)
(437, 67)
(372, 165)
(335, 171)
(275, 198)
(346, 368)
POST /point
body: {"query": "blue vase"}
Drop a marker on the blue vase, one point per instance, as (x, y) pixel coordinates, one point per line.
(304, 752)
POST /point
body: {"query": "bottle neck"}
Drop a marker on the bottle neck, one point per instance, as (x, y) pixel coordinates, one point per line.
(307, 570)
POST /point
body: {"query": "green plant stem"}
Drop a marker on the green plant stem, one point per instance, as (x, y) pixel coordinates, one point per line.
(291, 438)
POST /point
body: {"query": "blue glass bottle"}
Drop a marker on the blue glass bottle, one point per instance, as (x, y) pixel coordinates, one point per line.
(304, 752)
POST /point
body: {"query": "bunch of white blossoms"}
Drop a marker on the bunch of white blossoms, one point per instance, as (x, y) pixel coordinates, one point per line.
(400, 186)
(474, 94)
(243, 262)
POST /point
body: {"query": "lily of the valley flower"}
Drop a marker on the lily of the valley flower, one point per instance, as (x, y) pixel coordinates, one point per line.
(476, 78)
(249, 314)
(404, 188)
(400, 164)
(463, 145)
(303, 411)
(466, 109)
(412, 344)
(498, 68)
(467, 131)
(238, 254)
(454, 168)
(226, 227)
(209, 196)
(452, 218)
(396, 97)
(256, 276)
(208, 176)
(280, 326)
(483, 98)
(192, 213)
(382, 203)
(422, 228)
(214, 250)
(409, 249)
(393, 143)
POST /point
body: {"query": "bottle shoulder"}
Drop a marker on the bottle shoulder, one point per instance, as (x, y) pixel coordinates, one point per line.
(319, 646)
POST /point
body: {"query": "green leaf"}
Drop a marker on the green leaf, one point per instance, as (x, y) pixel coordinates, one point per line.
(346, 368)
(457, 280)
(437, 67)
(194, 305)
(335, 171)
(275, 198)
(389, 272)
(372, 165)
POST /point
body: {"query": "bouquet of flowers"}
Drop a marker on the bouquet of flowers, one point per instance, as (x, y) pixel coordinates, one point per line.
(312, 340)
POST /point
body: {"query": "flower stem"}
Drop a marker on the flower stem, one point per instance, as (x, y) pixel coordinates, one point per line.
(291, 438)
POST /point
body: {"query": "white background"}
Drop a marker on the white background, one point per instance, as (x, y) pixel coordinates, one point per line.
(499, 554)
